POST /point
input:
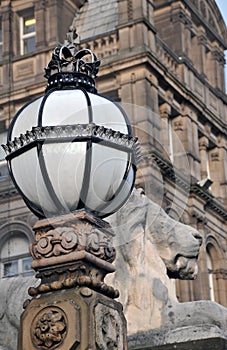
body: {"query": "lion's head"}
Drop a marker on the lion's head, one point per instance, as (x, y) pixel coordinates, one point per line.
(177, 244)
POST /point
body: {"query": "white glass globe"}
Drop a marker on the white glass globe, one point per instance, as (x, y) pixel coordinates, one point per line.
(70, 150)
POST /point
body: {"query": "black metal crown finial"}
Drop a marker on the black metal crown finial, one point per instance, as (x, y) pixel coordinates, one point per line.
(71, 66)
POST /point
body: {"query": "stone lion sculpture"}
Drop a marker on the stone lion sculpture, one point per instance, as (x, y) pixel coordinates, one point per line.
(151, 247)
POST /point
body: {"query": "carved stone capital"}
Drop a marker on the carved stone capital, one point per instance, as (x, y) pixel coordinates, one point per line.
(80, 236)
(202, 39)
(203, 143)
(178, 125)
(215, 156)
(165, 110)
(73, 250)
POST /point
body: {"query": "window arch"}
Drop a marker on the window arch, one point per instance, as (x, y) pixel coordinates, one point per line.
(15, 258)
(214, 267)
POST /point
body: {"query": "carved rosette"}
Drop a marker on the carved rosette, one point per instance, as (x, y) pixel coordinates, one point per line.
(49, 328)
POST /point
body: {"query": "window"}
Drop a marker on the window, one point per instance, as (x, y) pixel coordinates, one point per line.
(1, 38)
(170, 139)
(17, 267)
(27, 32)
(210, 277)
(15, 257)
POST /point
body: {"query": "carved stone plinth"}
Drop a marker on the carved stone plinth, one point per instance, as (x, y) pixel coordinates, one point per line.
(72, 308)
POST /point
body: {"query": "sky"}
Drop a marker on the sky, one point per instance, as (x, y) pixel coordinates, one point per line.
(222, 4)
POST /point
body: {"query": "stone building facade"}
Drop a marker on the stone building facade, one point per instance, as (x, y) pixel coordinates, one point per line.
(164, 61)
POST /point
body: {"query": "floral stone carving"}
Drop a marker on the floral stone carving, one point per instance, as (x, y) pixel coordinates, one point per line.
(49, 328)
(64, 240)
(109, 328)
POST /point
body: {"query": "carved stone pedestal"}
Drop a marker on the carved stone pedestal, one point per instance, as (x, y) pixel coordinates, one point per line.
(72, 308)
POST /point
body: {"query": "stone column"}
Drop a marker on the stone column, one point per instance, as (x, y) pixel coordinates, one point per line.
(200, 51)
(72, 307)
(217, 62)
(215, 172)
(165, 111)
(178, 128)
(201, 285)
(203, 145)
(7, 17)
(40, 14)
(223, 169)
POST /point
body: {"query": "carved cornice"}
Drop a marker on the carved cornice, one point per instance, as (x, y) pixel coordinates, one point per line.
(176, 177)
(211, 202)
(168, 170)
(8, 193)
(219, 273)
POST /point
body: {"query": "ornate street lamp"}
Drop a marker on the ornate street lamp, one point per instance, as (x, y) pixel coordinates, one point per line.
(71, 155)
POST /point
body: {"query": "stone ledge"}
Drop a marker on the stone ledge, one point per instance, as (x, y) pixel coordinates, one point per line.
(199, 337)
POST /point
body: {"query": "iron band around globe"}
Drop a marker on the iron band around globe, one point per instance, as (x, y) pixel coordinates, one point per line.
(71, 133)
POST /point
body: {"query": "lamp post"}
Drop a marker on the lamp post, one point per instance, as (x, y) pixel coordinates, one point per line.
(71, 155)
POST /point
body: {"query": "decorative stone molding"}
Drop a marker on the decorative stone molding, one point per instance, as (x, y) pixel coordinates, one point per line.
(104, 47)
(76, 275)
(74, 250)
(64, 240)
(198, 216)
(78, 318)
(72, 307)
(130, 10)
